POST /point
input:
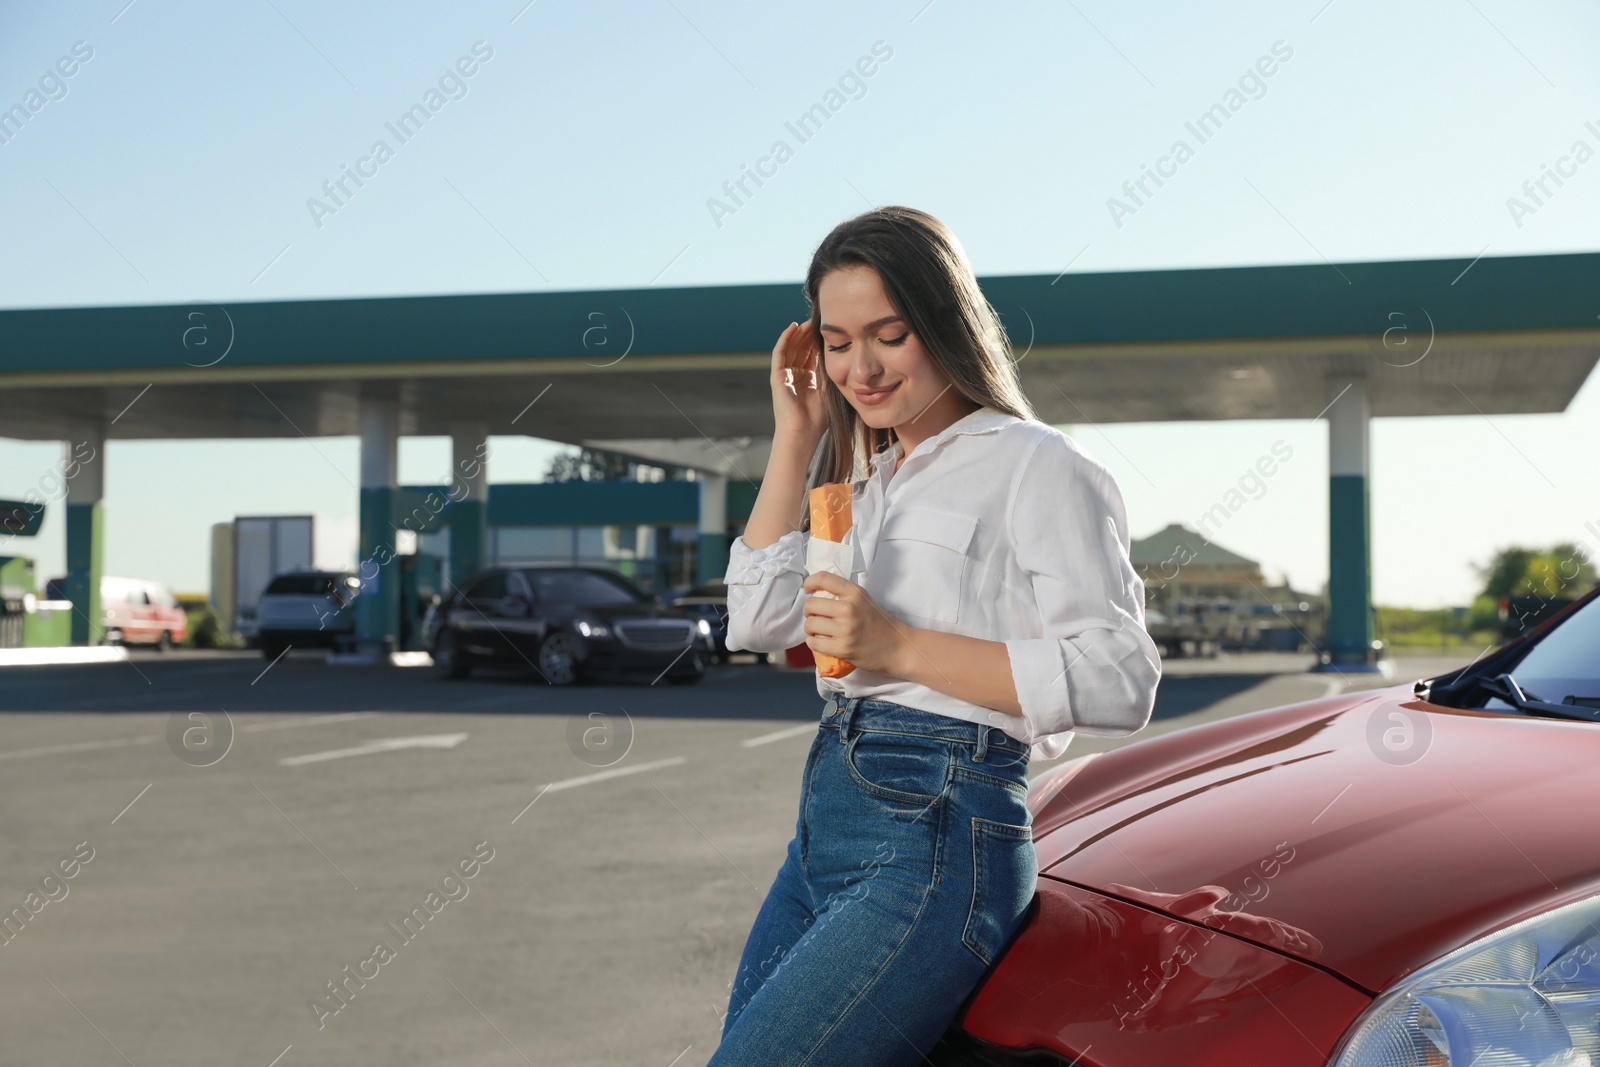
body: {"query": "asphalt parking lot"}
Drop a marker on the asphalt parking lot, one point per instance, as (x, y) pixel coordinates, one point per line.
(595, 855)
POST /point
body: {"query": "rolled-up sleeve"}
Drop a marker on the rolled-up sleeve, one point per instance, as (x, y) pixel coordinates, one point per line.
(766, 594)
(1095, 668)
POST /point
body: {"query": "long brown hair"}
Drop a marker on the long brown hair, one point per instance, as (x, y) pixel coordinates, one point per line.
(927, 277)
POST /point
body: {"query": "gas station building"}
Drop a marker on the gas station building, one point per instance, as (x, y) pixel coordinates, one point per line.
(680, 377)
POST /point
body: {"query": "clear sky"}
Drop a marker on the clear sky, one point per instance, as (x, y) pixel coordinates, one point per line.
(177, 162)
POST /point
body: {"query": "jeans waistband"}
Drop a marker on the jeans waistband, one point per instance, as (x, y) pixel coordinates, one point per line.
(870, 714)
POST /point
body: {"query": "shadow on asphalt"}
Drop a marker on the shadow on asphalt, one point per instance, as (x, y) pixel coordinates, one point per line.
(1178, 695)
(243, 683)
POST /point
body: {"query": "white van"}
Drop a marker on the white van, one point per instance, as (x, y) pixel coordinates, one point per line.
(138, 612)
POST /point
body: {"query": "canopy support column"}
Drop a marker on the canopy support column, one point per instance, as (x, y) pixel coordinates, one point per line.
(1349, 642)
(83, 468)
(378, 606)
(713, 555)
(469, 500)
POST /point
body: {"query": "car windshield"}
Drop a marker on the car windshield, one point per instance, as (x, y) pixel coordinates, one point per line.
(304, 584)
(1567, 662)
(579, 587)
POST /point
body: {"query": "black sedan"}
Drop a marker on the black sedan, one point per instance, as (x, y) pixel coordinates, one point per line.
(568, 623)
(710, 602)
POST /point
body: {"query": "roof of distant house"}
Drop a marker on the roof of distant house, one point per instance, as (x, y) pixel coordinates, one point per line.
(1164, 545)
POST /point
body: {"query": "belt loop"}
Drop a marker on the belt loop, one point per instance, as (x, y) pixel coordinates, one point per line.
(983, 744)
(847, 707)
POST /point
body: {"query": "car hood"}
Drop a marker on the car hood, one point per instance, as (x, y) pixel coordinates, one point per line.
(1365, 834)
(1090, 973)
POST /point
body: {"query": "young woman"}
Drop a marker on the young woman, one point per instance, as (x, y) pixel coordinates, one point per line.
(997, 612)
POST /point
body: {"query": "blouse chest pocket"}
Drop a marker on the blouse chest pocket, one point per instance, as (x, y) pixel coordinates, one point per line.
(921, 563)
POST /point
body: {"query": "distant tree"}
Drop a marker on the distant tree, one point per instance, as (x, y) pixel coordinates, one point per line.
(1565, 570)
(1505, 569)
(598, 465)
(1562, 570)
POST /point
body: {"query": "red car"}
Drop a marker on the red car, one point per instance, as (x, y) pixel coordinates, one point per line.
(1402, 877)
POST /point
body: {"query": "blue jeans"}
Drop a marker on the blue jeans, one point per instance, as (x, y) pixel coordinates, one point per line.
(911, 866)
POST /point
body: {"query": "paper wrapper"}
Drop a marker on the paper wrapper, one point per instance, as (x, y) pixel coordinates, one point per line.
(831, 548)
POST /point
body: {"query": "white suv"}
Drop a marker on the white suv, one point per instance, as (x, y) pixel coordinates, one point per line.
(308, 609)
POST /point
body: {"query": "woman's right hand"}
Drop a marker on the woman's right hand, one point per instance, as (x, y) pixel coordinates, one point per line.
(797, 409)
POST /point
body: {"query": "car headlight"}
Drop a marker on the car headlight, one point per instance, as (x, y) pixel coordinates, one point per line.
(592, 629)
(1528, 995)
(704, 626)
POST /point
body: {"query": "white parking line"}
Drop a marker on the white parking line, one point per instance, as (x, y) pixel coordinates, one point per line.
(312, 720)
(616, 772)
(124, 742)
(779, 735)
(390, 744)
(76, 746)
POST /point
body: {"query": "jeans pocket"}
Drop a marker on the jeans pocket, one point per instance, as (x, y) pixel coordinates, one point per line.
(999, 793)
(902, 768)
(1004, 870)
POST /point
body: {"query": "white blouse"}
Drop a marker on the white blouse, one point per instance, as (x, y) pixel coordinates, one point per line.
(995, 527)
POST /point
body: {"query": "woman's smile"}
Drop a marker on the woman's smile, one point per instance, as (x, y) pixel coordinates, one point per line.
(871, 397)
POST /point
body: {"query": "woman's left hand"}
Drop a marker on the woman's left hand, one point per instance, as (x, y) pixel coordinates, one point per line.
(854, 627)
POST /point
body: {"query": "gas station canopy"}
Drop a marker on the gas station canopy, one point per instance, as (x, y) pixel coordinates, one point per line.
(1442, 337)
